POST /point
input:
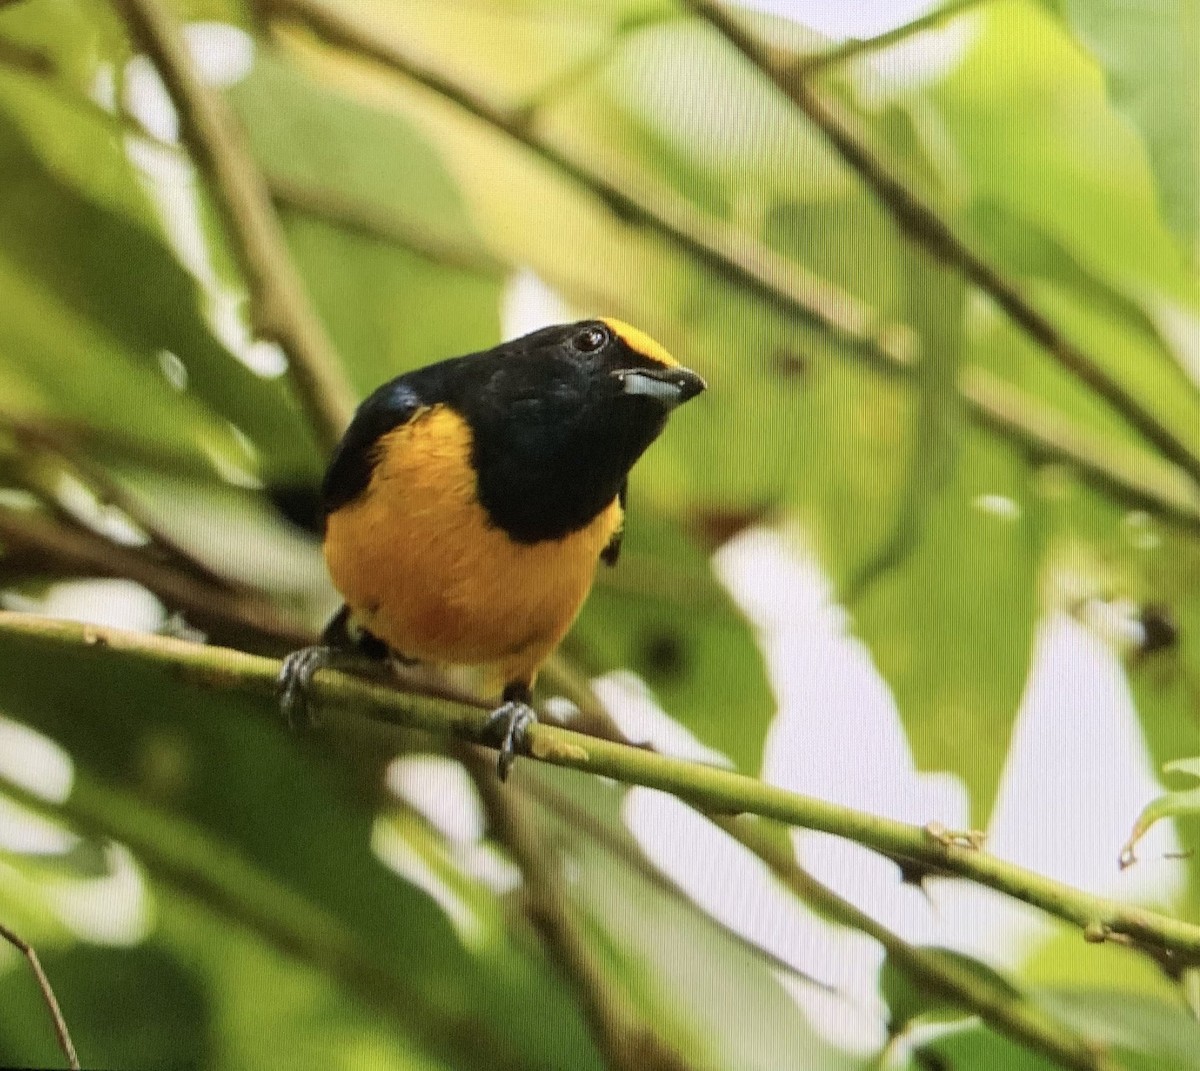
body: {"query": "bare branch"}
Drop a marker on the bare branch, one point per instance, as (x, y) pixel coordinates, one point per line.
(280, 307)
(60, 1024)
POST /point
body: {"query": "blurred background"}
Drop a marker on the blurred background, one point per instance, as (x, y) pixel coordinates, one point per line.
(929, 546)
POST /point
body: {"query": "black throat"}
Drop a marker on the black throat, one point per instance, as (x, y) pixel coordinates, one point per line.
(547, 469)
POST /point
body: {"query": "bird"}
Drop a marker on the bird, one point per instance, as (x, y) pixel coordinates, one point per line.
(469, 503)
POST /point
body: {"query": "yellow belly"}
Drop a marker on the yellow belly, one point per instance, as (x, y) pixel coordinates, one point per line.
(423, 568)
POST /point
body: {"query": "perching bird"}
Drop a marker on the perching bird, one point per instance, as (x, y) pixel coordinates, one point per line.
(469, 502)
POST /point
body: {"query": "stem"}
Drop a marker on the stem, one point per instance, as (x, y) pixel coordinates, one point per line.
(714, 790)
(1132, 473)
(373, 221)
(622, 1035)
(226, 613)
(281, 310)
(1001, 1009)
(56, 1015)
(855, 47)
(923, 225)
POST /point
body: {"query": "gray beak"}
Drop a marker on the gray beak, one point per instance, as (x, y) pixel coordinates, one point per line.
(669, 386)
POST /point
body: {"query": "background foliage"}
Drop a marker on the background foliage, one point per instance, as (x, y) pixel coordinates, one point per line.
(214, 892)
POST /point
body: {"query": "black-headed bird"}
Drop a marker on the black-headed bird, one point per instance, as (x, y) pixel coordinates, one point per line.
(469, 502)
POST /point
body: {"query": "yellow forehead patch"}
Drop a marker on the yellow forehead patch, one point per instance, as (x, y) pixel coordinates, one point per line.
(640, 342)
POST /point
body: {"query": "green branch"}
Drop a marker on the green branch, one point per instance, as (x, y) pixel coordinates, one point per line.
(714, 790)
(859, 46)
(922, 224)
(1133, 474)
(279, 306)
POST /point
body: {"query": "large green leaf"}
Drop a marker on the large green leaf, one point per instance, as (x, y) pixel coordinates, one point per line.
(1149, 54)
(951, 625)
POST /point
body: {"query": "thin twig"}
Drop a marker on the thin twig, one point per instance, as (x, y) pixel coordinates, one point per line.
(625, 1040)
(1133, 473)
(718, 791)
(60, 1024)
(202, 867)
(923, 224)
(34, 437)
(232, 615)
(373, 221)
(774, 278)
(280, 307)
(806, 66)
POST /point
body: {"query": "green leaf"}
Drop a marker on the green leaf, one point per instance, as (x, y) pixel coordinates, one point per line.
(1182, 802)
(662, 614)
(1149, 53)
(912, 1005)
(957, 663)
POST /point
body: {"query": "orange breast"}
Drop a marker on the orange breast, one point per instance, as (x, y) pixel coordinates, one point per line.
(420, 564)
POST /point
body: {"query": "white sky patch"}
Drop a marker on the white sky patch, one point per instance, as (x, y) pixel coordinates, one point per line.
(486, 865)
(80, 500)
(528, 303)
(1077, 775)
(25, 831)
(34, 762)
(147, 100)
(441, 791)
(1001, 506)
(113, 602)
(736, 888)
(1079, 772)
(173, 369)
(838, 734)
(844, 18)
(919, 60)
(627, 698)
(103, 89)
(223, 54)
(170, 181)
(113, 910)
(1180, 326)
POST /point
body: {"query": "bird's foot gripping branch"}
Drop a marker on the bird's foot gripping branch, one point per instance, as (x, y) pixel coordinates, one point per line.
(719, 791)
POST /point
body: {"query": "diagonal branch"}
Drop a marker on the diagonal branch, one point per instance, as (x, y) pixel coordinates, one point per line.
(625, 1040)
(228, 614)
(1134, 474)
(280, 307)
(923, 225)
(60, 1024)
(717, 791)
(774, 278)
(859, 46)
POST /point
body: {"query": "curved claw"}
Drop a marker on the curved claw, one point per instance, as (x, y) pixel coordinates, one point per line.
(509, 724)
(295, 675)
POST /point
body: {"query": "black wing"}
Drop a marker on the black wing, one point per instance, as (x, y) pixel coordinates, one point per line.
(612, 552)
(349, 472)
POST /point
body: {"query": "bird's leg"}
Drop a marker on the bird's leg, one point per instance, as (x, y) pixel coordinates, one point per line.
(342, 643)
(509, 723)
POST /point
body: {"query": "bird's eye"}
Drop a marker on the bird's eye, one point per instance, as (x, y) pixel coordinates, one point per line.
(590, 339)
